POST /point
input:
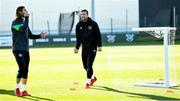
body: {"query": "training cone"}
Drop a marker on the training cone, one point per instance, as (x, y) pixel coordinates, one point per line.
(72, 89)
(161, 79)
(170, 91)
(76, 83)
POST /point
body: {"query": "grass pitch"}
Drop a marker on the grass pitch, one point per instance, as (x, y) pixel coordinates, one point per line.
(56, 74)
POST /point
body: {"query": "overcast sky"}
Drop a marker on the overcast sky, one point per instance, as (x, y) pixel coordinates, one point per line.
(44, 10)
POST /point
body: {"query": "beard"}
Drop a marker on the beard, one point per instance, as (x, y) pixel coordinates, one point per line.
(84, 19)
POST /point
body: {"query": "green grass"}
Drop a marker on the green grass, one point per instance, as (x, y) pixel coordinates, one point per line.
(53, 71)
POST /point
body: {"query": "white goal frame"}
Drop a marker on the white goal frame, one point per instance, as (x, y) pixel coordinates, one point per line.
(165, 31)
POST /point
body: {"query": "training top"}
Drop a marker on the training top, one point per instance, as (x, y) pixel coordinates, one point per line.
(88, 34)
(21, 34)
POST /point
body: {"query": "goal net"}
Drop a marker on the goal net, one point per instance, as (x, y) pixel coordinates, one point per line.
(66, 22)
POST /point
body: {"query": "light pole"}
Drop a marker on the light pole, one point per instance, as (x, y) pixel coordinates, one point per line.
(174, 16)
(93, 9)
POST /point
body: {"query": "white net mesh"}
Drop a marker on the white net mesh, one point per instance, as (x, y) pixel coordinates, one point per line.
(157, 34)
(172, 57)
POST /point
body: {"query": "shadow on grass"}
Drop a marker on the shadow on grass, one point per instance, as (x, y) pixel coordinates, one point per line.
(148, 96)
(176, 88)
(33, 98)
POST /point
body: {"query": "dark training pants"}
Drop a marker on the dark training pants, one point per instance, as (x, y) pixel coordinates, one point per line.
(88, 57)
(22, 59)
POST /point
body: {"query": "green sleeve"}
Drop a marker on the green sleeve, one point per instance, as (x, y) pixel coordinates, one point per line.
(17, 27)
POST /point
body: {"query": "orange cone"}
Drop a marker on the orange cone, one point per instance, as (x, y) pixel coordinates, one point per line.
(169, 91)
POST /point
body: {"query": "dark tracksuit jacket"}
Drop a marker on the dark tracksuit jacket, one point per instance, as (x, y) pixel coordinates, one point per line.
(21, 34)
(20, 37)
(88, 34)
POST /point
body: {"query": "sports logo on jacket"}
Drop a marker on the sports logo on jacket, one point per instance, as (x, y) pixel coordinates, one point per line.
(20, 55)
(89, 27)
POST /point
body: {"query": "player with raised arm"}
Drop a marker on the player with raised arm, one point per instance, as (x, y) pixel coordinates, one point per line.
(20, 47)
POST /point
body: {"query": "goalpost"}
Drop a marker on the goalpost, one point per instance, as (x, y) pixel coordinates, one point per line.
(165, 32)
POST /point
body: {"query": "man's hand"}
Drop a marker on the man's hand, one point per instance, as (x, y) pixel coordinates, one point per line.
(76, 50)
(43, 34)
(99, 49)
(26, 14)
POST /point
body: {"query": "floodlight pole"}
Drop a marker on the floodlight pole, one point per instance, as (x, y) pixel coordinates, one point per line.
(174, 16)
(126, 21)
(32, 22)
(111, 26)
(93, 10)
(48, 27)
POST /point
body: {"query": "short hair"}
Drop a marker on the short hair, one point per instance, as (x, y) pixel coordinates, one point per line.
(84, 10)
(20, 8)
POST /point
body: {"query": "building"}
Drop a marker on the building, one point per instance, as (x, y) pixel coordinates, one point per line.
(157, 13)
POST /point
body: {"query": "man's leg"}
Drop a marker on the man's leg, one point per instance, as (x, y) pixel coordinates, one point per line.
(20, 61)
(91, 57)
(17, 82)
(85, 65)
(84, 59)
(25, 74)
